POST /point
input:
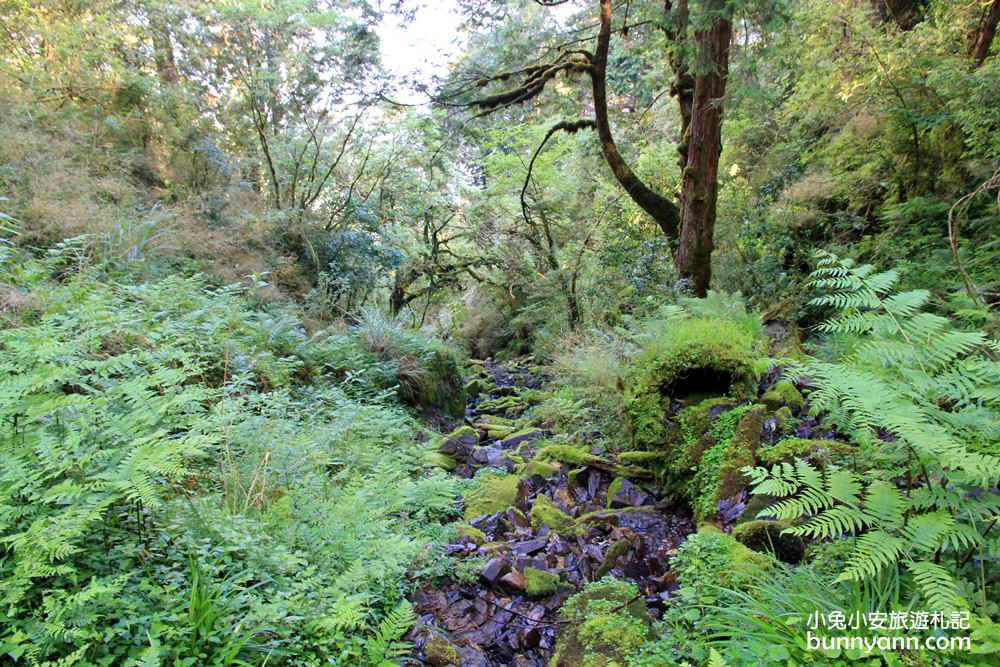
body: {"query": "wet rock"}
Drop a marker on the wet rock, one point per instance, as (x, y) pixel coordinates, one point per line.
(623, 493)
(514, 580)
(517, 518)
(529, 547)
(493, 569)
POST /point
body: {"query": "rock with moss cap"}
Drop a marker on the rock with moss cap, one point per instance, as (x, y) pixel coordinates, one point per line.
(768, 537)
(545, 513)
(783, 394)
(818, 451)
(543, 468)
(470, 533)
(460, 442)
(440, 652)
(615, 624)
(539, 583)
(494, 493)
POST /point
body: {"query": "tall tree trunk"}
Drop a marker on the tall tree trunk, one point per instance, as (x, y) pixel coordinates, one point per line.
(699, 180)
(674, 26)
(986, 35)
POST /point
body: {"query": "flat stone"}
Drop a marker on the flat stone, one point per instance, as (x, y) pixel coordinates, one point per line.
(493, 569)
(513, 579)
(529, 547)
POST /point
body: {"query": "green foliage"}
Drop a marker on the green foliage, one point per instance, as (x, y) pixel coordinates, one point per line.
(918, 398)
(689, 357)
(176, 488)
(607, 623)
(427, 370)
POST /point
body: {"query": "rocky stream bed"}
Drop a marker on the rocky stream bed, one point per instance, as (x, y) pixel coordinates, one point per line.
(565, 525)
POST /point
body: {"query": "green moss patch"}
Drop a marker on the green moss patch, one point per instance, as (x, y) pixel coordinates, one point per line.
(472, 533)
(789, 449)
(539, 583)
(439, 460)
(616, 626)
(545, 513)
(568, 454)
(440, 652)
(495, 493)
(543, 468)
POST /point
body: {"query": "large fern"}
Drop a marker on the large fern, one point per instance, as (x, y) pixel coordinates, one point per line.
(919, 399)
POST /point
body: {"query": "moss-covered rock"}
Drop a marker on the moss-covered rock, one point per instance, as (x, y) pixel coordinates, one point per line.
(440, 460)
(768, 537)
(545, 513)
(494, 431)
(440, 652)
(471, 533)
(522, 435)
(463, 431)
(494, 493)
(543, 468)
(511, 405)
(819, 451)
(616, 626)
(696, 359)
(539, 583)
(785, 419)
(741, 452)
(783, 394)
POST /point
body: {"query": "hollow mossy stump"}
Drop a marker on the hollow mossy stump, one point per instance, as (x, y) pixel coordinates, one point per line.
(768, 537)
(686, 369)
(608, 622)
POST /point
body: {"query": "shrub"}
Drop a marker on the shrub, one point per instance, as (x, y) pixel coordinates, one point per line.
(918, 398)
(428, 371)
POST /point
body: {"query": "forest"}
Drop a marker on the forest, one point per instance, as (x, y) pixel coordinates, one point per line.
(475, 333)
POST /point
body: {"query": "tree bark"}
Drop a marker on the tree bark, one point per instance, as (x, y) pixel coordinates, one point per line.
(661, 209)
(699, 180)
(675, 24)
(986, 35)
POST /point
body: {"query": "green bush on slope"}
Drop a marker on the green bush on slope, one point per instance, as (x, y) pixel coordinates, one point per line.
(169, 465)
